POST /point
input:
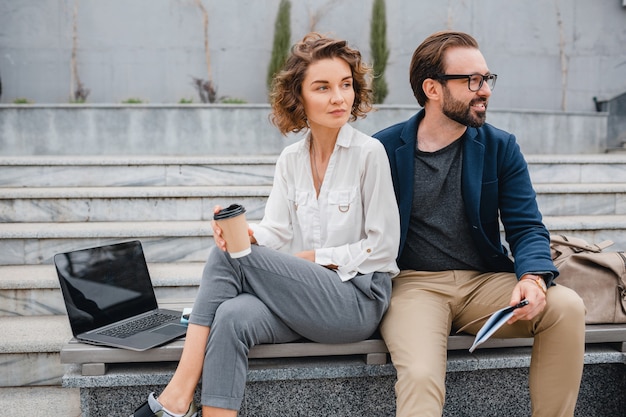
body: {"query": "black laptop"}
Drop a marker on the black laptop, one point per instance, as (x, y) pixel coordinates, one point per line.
(110, 300)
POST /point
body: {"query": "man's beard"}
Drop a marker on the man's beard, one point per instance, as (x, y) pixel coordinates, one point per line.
(461, 112)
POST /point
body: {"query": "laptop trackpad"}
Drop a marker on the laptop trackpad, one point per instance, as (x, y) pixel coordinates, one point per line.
(170, 329)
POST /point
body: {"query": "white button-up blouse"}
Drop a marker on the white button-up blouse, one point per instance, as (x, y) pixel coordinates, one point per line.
(354, 223)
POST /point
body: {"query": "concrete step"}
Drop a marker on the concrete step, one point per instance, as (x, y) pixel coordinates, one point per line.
(105, 204)
(29, 351)
(37, 243)
(189, 241)
(48, 401)
(147, 203)
(33, 290)
(591, 228)
(560, 199)
(31, 376)
(116, 171)
(588, 168)
(175, 251)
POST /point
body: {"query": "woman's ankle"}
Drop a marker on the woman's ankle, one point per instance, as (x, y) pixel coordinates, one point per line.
(218, 412)
(178, 404)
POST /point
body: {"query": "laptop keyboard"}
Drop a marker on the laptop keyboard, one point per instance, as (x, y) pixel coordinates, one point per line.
(136, 326)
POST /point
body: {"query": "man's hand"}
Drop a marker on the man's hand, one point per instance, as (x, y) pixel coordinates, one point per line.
(528, 289)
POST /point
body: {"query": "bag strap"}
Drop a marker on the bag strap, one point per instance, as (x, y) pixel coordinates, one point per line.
(621, 281)
(578, 243)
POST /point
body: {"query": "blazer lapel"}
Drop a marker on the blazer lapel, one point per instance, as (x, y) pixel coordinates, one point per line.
(473, 165)
(404, 155)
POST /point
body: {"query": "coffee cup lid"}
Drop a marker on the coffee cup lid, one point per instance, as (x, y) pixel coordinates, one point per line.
(230, 211)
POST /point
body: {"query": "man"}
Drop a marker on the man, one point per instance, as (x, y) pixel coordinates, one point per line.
(456, 178)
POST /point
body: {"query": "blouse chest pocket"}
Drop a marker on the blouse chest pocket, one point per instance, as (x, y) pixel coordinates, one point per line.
(305, 210)
(301, 199)
(344, 208)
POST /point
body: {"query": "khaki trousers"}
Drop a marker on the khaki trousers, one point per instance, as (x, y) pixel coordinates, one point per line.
(427, 306)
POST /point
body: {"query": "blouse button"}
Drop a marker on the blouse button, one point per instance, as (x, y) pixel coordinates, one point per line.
(369, 251)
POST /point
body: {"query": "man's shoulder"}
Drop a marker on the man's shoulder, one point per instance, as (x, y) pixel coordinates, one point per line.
(399, 132)
(390, 131)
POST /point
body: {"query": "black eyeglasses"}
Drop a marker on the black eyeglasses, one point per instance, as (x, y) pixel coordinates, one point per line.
(474, 81)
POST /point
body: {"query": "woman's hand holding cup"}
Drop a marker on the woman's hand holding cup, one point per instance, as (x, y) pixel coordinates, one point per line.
(230, 225)
(217, 231)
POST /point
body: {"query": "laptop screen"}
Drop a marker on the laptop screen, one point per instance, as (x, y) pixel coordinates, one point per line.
(105, 284)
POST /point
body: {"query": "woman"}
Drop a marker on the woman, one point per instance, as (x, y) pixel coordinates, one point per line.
(322, 256)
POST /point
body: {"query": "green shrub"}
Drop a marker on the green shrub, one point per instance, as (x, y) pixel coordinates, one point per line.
(282, 40)
(233, 100)
(379, 49)
(132, 100)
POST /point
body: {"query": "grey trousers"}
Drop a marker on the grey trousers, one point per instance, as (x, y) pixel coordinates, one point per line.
(272, 297)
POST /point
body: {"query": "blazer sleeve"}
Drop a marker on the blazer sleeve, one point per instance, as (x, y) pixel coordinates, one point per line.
(527, 236)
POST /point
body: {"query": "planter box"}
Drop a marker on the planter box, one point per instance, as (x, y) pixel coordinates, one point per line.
(243, 129)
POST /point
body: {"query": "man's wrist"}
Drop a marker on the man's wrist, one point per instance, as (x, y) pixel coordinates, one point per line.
(538, 280)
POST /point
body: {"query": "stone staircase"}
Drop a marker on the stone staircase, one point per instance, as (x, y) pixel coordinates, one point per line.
(54, 204)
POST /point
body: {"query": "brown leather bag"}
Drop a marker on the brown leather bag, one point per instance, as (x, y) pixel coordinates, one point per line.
(599, 277)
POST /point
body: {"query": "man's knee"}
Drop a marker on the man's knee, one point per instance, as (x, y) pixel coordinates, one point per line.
(564, 310)
(419, 376)
(566, 302)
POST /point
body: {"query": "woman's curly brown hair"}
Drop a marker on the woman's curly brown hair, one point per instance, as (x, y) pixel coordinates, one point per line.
(286, 93)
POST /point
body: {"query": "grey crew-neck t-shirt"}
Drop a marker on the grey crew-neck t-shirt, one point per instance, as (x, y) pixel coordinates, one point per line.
(439, 236)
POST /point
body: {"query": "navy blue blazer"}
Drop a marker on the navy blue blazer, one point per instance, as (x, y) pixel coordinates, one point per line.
(495, 186)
